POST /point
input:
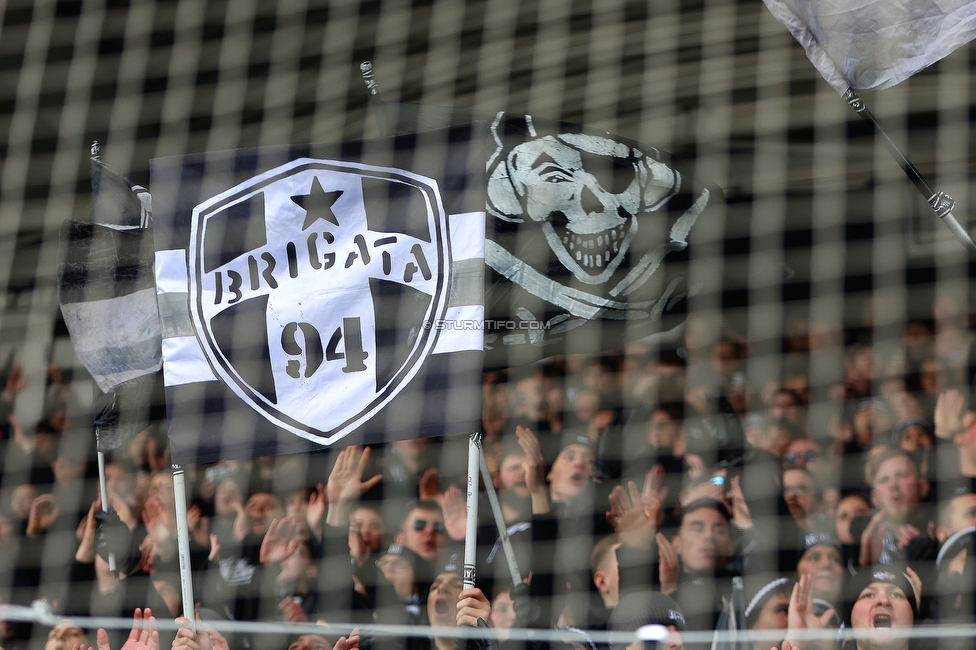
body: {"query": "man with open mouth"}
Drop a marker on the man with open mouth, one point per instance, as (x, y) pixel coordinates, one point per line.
(883, 600)
(450, 605)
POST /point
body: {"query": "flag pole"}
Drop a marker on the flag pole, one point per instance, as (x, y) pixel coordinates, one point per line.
(183, 543)
(103, 492)
(471, 518)
(496, 511)
(940, 202)
(95, 152)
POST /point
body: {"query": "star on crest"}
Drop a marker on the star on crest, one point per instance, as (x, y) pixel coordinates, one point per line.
(317, 204)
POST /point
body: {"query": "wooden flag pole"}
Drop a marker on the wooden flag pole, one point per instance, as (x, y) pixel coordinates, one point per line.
(183, 543)
(940, 202)
(471, 518)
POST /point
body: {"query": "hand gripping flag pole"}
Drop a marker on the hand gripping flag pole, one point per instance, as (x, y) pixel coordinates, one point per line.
(183, 544)
(471, 518)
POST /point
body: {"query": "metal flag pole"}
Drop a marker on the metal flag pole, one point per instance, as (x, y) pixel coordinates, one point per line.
(496, 510)
(471, 517)
(940, 202)
(103, 492)
(183, 543)
(102, 482)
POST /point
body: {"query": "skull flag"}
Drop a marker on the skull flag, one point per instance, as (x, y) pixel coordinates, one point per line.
(587, 233)
(317, 295)
(587, 238)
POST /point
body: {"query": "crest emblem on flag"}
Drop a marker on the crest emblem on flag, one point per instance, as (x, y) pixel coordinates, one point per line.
(313, 286)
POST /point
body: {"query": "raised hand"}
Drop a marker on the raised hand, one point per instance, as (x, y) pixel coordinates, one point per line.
(669, 564)
(348, 643)
(315, 512)
(740, 509)
(949, 413)
(346, 483)
(534, 466)
(214, 555)
(279, 542)
(20, 437)
(291, 610)
(242, 520)
(628, 518)
(907, 534)
(86, 549)
(871, 540)
(357, 545)
(801, 615)
(633, 515)
(454, 507)
(143, 635)
(429, 488)
(43, 512)
(654, 492)
(16, 382)
(199, 525)
(916, 582)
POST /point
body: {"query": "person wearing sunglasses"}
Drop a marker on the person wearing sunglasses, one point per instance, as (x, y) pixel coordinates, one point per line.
(422, 530)
(801, 452)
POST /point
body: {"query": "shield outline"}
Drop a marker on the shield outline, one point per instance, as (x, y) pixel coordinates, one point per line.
(426, 339)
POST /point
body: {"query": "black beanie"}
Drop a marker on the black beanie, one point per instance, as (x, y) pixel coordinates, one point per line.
(890, 574)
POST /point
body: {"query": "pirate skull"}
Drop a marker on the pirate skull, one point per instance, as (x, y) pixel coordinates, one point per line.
(585, 191)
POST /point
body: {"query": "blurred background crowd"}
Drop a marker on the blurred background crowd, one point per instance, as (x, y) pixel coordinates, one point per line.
(662, 470)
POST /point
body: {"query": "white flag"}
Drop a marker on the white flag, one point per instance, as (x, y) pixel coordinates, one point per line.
(872, 44)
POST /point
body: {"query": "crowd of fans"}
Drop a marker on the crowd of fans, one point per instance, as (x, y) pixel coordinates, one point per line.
(661, 485)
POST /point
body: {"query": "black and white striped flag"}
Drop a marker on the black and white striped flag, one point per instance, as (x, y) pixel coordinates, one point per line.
(108, 301)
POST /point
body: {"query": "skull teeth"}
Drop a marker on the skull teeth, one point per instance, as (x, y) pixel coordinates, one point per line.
(594, 252)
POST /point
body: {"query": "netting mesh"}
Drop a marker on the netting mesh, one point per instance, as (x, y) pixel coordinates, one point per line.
(828, 305)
